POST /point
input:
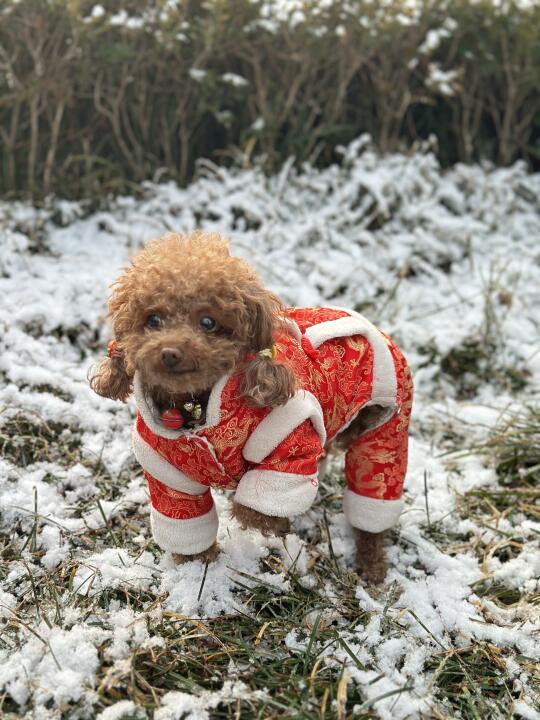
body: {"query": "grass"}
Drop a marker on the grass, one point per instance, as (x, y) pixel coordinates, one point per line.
(472, 680)
(198, 655)
(515, 447)
(26, 439)
(292, 646)
(474, 362)
(481, 358)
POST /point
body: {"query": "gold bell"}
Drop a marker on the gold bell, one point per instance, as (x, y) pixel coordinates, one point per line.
(196, 413)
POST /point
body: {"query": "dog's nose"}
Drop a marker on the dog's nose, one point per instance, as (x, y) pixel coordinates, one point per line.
(171, 357)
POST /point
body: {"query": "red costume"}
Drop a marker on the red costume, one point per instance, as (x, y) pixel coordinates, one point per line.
(270, 457)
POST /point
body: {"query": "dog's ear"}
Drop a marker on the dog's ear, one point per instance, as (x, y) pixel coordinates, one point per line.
(264, 309)
(110, 379)
(265, 382)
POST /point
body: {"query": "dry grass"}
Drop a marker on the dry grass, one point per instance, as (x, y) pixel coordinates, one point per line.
(119, 104)
(199, 655)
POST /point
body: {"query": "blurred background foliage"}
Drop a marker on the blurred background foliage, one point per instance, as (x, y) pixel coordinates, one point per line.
(95, 98)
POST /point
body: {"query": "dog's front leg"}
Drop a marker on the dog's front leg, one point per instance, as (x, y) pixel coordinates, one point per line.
(205, 556)
(267, 524)
(370, 560)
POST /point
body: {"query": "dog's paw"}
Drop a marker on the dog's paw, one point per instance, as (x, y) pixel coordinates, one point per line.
(372, 573)
(206, 556)
(267, 524)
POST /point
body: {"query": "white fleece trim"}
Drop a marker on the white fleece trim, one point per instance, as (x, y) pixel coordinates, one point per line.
(275, 493)
(161, 469)
(371, 514)
(150, 415)
(213, 408)
(384, 388)
(294, 329)
(280, 422)
(187, 537)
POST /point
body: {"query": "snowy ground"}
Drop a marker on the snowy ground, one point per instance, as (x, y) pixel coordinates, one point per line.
(97, 622)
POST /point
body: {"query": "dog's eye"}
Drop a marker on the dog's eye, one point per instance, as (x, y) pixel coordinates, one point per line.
(153, 321)
(207, 323)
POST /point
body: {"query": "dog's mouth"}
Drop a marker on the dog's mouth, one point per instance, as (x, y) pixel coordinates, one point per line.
(179, 371)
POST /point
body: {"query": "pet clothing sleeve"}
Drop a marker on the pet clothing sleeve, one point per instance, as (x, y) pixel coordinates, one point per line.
(182, 512)
(283, 481)
(182, 523)
(376, 465)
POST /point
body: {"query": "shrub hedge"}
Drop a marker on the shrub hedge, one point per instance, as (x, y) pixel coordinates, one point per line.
(96, 98)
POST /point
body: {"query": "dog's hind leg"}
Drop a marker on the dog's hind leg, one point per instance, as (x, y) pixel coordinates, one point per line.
(370, 559)
(375, 468)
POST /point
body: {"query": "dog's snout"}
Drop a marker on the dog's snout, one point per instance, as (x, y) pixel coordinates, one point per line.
(171, 357)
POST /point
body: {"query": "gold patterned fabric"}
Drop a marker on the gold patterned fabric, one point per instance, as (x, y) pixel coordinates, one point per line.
(339, 374)
(376, 463)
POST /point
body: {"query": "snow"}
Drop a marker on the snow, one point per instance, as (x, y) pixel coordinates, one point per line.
(443, 81)
(519, 707)
(258, 125)
(55, 664)
(120, 18)
(234, 80)
(197, 74)
(179, 705)
(434, 257)
(97, 11)
(436, 36)
(122, 709)
(113, 568)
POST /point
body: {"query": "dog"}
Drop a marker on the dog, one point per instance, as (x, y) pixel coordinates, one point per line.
(236, 391)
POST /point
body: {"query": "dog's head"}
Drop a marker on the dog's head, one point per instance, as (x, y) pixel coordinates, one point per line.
(184, 314)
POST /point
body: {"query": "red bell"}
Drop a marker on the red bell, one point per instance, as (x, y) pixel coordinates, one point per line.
(172, 418)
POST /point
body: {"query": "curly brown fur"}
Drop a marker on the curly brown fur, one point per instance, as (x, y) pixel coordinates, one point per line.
(205, 556)
(370, 561)
(266, 383)
(366, 419)
(109, 379)
(180, 279)
(248, 518)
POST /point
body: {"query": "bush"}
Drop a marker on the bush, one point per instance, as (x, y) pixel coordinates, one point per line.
(96, 98)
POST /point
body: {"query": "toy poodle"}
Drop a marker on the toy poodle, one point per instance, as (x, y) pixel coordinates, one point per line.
(236, 391)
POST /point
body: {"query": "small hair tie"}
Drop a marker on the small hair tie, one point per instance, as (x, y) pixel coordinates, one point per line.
(113, 351)
(270, 353)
